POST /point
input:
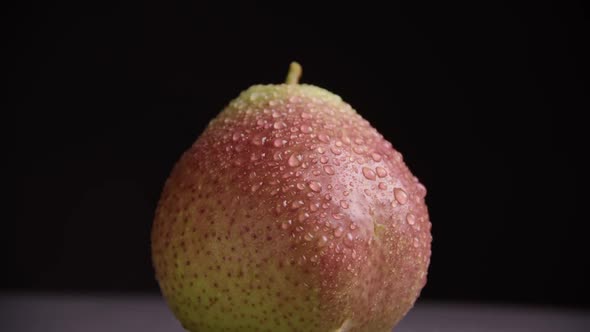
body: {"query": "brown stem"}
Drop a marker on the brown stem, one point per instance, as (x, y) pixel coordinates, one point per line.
(294, 73)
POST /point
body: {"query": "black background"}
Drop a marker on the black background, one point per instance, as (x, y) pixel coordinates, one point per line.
(480, 99)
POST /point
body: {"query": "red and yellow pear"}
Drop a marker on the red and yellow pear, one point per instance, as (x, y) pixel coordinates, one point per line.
(291, 213)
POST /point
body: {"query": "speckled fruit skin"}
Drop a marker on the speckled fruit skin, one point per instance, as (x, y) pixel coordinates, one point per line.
(291, 213)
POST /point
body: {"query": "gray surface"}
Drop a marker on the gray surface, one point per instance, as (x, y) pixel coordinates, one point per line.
(48, 313)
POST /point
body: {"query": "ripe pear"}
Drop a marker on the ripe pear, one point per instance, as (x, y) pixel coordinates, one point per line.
(291, 213)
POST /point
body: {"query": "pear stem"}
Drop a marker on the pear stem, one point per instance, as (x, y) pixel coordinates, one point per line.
(294, 73)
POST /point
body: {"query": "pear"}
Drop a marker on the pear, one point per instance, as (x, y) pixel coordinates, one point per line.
(291, 213)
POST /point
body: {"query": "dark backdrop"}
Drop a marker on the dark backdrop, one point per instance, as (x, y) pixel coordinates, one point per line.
(480, 99)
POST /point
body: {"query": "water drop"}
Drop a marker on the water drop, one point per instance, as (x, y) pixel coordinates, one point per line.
(400, 196)
(349, 240)
(323, 159)
(382, 185)
(337, 216)
(256, 186)
(329, 170)
(321, 150)
(302, 260)
(346, 140)
(323, 241)
(338, 232)
(305, 115)
(315, 186)
(411, 219)
(314, 258)
(381, 172)
(376, 157)
(336, 150)
(313, 207)
(295, 160)
(286, 224)
(279, 125)
(236, 136)
(344, 204)
(277, 143)
(306, 129)
(303, 216)
(296, 204)
(258, 140)
(358, 149)
(421, 189)
(300, 186)
(368, 173)
(308, 237)
(324, 138)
